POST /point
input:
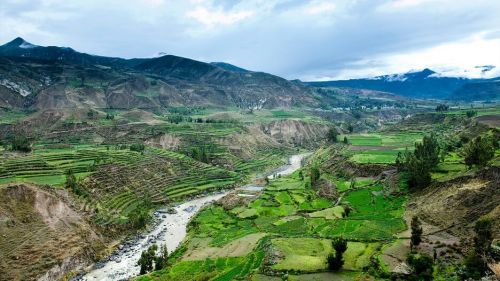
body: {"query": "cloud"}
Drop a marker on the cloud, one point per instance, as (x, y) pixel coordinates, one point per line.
(215, 17)
(320, 7)
(291, 38)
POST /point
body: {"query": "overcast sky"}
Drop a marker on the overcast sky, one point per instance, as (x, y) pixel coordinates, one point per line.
(309, 40)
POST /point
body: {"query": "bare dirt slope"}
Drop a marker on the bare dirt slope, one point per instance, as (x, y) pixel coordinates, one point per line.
(41, 235)
(457, 204)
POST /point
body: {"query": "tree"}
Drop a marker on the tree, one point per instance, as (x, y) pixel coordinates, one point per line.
(72, 183)
(147, 258)
(422, 266)
(315, 174)
(139, 217)
(416, 232)
(420, 162)
(475, 263)
(19, 142)
(478, 151)
(419, 175)
(332, 135)
(428, 151)
(346, 141)
(483, 237)
(350, 128)
(335, 262)
(139, 147)
(471, 113)
(161, 261)
(442, 108)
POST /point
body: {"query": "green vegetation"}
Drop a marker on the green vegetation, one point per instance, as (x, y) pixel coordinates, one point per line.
(419, 163)
(479, 151)
(336, 260)
(416, 232)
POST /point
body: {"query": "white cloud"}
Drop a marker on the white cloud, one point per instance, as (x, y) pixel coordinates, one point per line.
(213, 17)
(291, 38)
(320, 7)
(456, 59)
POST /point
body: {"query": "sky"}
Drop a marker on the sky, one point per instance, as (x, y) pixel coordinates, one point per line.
(295, 39)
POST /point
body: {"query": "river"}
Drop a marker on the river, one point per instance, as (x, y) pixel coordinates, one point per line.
(170, 230)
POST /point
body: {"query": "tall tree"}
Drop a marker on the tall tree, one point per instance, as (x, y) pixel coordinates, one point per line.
(147, 259)
(416, 232)
(479, 151)
(335, 262)
(420, 162)
(161, 261)
(315, 174)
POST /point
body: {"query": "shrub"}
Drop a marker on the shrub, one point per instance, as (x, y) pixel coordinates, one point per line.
(422, 266)
(471, 113)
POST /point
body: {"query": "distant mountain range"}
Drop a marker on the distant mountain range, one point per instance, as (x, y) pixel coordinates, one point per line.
(425, 84)
(39, 77)
(35, 78)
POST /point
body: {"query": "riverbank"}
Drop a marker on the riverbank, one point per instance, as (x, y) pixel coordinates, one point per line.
(169, 228)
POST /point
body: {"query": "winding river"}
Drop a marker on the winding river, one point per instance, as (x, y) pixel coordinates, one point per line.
(170, 230)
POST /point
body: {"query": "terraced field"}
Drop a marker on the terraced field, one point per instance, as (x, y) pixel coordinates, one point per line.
(380, 148)
(118, 182)
(297, 226)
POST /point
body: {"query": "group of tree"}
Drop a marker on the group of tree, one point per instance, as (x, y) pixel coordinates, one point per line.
(475, 263)
(332, 135)
(177, 118)
(17, 142)
(138, 147)
(335, 260)
(420, 162)
(153, 259)
(72, 184)
(200, 153)
(479, 151)
(110, 116)
(442, 108)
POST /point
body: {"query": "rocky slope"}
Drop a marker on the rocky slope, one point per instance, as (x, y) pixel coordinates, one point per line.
(42, 235)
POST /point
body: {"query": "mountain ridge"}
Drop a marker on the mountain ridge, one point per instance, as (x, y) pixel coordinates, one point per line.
(418, 84)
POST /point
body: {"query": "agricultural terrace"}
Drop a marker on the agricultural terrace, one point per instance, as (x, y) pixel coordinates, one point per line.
(115, 182)
(379, 148)
(287, 228)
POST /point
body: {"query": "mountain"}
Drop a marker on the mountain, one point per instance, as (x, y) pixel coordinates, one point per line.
(36, 77)
(425, 84)
(229, 67)
(488, 90)
(21, 48)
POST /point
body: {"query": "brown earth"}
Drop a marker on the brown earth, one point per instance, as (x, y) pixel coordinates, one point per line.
(457, 204)
(41, 233)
